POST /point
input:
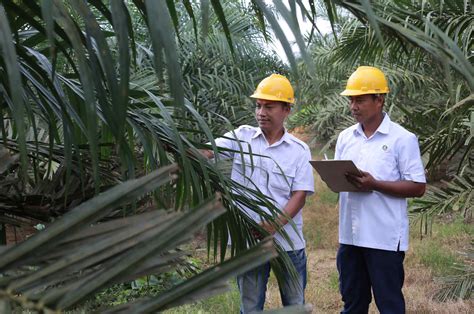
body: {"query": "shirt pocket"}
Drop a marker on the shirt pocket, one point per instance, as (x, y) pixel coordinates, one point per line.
(243, 168)
(282, 179)
(385, 166)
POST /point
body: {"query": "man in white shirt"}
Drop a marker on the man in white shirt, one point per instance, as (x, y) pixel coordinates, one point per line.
(279, 167)
(373, 223)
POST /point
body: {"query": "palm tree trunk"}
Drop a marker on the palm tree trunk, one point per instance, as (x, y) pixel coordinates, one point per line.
(3, 235)
(5, 306)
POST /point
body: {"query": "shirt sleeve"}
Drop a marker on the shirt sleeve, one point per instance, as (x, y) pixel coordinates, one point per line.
(304, 180)
(338, 151)
(228, 141)
(409, 160)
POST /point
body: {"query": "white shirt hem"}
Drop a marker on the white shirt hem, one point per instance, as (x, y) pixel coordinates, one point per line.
(393, 248)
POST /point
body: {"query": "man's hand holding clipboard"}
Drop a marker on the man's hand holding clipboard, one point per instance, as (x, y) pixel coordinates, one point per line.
(364, 181)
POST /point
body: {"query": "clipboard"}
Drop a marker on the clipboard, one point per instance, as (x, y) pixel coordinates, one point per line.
(333, 173)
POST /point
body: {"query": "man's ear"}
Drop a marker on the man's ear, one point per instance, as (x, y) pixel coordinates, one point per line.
(381, 100)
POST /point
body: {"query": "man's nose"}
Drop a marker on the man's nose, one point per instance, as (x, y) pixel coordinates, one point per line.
(261, 111)
(352, 103)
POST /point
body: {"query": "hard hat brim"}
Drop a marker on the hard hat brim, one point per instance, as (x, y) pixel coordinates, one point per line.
(356, 92)
(271, 97)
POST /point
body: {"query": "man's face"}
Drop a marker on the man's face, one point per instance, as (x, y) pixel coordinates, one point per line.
(365, 108)
(271, 114)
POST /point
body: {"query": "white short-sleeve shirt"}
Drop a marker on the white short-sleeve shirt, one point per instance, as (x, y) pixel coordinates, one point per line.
(373, 219)
(285, 169)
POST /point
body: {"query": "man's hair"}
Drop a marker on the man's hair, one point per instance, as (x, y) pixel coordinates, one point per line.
(375, 96)
(286, 104)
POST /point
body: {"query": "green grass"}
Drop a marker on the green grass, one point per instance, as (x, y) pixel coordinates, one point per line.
(228, 302)
(321, 218)
(328, 197)
(324, 194)
(438, 259)
(314, 237)
(454, 230)
(438, 251)
(334, 281)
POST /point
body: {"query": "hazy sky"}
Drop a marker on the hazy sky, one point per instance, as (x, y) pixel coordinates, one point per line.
(323, 25)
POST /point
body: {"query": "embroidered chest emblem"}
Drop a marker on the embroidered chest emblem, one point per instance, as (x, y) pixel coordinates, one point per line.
(384, 148)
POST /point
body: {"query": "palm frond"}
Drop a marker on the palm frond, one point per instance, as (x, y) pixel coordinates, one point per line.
(458, 286)
(456, 196)
(75, 256)
(404, 24)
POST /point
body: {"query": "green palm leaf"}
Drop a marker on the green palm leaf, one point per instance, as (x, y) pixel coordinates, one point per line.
(75, 259)
(81, 115)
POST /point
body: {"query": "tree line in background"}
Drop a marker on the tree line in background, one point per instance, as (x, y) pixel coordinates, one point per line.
(105, 103)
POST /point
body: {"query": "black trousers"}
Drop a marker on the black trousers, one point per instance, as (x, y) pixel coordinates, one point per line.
(361, 269)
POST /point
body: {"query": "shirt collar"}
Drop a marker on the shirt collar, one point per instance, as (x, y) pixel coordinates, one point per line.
(383, 127)
(258, 132)
(284, 138)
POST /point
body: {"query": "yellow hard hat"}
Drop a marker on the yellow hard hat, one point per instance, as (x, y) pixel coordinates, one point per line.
(275, 87)
(366, 80)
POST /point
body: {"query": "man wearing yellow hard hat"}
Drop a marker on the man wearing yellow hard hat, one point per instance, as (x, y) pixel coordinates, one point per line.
(373, 223)
(279, 167)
